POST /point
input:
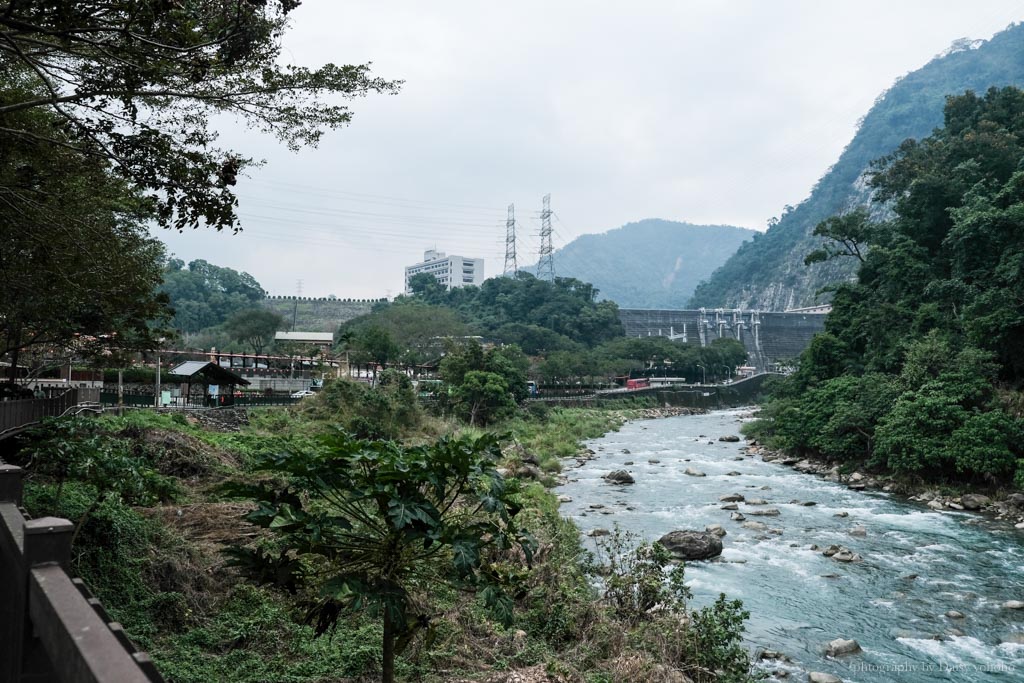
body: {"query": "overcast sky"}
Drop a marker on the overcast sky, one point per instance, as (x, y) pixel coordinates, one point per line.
(707, 112)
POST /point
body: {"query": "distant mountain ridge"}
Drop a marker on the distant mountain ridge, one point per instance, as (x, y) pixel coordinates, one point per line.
(768, 273)
(651, 263)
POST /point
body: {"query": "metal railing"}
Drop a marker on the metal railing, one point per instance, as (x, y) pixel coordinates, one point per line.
(17, 415)
(51, 627)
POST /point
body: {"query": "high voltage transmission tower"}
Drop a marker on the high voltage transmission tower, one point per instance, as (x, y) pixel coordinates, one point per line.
(546, 263)
(511, 266)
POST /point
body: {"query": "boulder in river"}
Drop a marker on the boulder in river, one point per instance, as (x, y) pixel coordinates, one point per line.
(619, 477)
(953, 614)
(859, 531)
(737, 517)
(694, 473)
(757, 501)
(565, 499)
(731, 498)
(628, 463)
(1013, 604)
(730, 438)
(842, 514)
(767, 512)
(841, 646)
(692, 545)
(820, 677)
(845, 555)
(594, 533)
(1016, 499)
(755, 526)
(716, 529)
(974, 501)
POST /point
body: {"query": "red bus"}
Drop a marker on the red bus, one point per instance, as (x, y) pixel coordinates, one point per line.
(642, 383)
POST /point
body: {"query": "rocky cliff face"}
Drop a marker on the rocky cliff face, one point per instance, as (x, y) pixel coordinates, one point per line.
(768, 273)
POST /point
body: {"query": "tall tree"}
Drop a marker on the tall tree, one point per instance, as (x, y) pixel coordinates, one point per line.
(255, 327)
(133, 84)
(78, 270)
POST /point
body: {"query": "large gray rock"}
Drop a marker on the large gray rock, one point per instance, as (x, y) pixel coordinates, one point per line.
(974, 501)
(1016, 499)
(619, 477)
(840, 646)
(819, 677)
(693, 473)
(730, 438)
(692, 545)
(731, 498)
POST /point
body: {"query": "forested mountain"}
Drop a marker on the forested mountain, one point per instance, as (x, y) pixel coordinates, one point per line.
(768, 273)
(652, 263)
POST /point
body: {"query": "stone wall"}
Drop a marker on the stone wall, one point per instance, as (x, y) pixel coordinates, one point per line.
(318, 314)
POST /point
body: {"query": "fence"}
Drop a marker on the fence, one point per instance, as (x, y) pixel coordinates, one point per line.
(51, 628)
(16, 415)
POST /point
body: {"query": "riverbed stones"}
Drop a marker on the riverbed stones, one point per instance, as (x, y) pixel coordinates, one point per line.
(619, 477)
(842, 646)
(734, 473)
(628, 463)
(737, 517)
(757, 501)
(731, 498)
(1013, 604)
(730, 506)
(687, 544)
(596, 506)
(693, 473)
(565, 499)
(755, 526)
(767, 512)
(953, 614)
(936, 505)
(821, 677)
(626, 451)
(594, 533)
(841, 514)
(859, 531)
(831, 550)
(974, 501)
(729, 438)
(653, 461)
(1016, 499)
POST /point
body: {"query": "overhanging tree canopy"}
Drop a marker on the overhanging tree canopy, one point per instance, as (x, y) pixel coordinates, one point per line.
(133, 83)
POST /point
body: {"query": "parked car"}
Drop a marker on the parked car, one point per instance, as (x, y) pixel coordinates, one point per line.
(303, 393)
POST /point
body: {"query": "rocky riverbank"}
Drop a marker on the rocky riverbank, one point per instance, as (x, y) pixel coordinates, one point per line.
(1000, 506)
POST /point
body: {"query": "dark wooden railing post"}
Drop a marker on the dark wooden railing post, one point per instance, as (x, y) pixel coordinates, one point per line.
(13, 576)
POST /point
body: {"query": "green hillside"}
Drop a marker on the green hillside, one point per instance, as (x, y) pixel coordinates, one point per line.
(652, 263)
(768, 273)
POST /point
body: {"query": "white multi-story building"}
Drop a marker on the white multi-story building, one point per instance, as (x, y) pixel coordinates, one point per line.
(450, 271)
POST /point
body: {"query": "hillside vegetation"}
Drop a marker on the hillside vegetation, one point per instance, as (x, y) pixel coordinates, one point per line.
(920, 354)
(768, 272)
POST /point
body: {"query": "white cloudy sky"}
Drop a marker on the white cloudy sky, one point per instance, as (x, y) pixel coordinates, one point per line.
(708, 112)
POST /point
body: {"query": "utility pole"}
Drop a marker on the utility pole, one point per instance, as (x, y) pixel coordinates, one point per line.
(546, 263)
(510, 243)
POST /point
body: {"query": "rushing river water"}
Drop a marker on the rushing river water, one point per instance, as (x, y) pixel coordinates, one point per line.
(799, 599)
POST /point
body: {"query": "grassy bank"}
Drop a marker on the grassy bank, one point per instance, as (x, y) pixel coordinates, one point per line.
(158, 566)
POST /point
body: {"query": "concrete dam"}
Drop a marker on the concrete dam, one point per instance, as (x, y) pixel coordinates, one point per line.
(769, 337)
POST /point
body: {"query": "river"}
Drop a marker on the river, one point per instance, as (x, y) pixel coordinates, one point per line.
(799, 599)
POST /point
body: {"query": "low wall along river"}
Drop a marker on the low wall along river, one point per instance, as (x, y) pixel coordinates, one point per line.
(918, 564)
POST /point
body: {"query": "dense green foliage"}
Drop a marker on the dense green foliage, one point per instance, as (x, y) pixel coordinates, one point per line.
(254, 327)
(204, 295)
(528, 308)
(906, 375)
(382, 521)
(482, 386)
(652, 263)
(767, 272)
